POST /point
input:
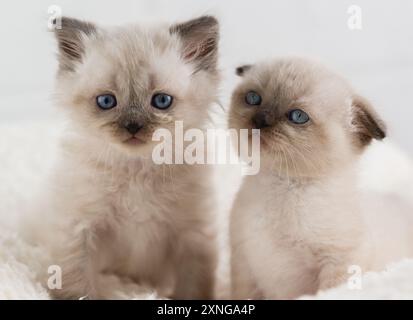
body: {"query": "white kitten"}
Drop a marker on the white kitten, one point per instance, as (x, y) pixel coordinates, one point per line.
(114, 210)
(297, 226)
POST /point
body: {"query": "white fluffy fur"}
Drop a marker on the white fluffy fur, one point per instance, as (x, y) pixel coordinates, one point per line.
(18, 261)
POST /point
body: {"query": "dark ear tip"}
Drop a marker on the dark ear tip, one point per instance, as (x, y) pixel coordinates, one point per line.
(367, 122)
(209, 20)
(65, 21)
(75, 24)
(381, 131)
(240, 71)
(55, 22)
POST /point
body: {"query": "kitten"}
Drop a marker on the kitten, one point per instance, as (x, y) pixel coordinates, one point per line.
(114, 210)
(297, 226)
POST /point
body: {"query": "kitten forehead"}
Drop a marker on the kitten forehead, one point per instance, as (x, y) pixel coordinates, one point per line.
(136, 46)
(289, 75)
(298, 80)
(137, 59)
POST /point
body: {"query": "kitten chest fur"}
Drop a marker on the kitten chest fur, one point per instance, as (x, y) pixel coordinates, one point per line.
(140, 213)
(282, 228)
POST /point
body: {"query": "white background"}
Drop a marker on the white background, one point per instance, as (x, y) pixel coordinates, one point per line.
(378, 59)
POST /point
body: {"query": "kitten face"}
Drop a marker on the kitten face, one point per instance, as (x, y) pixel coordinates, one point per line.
(310, 121)
(120, 85)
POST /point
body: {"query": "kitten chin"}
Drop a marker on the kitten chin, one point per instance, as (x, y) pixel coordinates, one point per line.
(116, 210)
(297, 226)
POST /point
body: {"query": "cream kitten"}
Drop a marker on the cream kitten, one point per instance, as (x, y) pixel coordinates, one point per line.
(114, 210)
(297, 226)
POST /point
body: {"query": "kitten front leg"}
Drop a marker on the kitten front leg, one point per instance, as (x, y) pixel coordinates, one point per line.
(242, 283)
(195, 268)
(335, 259)
(78, 272)
(333, 272)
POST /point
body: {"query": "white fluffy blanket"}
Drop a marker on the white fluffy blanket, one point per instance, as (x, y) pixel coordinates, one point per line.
(27, 152)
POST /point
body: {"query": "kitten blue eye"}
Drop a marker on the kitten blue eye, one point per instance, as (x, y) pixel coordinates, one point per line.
(161, 101)
(253, 98)
(298, 116)
(106, 101)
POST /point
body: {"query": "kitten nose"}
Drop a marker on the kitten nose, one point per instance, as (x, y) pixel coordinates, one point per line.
(133, 127)
(260, 120)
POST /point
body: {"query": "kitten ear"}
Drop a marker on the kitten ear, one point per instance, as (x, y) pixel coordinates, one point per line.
(240, 71)
(366, 123)
(200, 41)
(70, 37)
